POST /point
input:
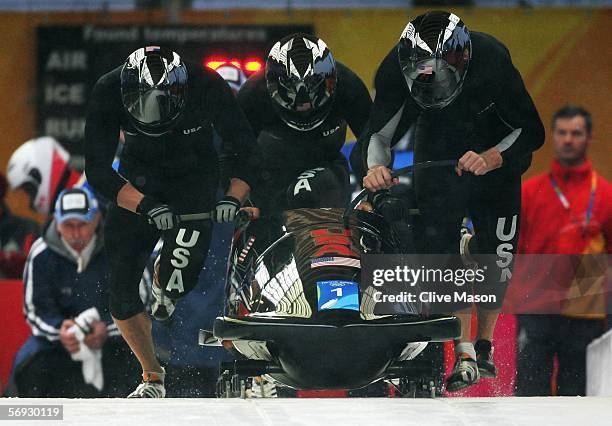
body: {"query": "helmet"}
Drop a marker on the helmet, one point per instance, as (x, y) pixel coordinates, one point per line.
(434, 53)
(232, 75)
(38, 166)
(301, 80)
(154, 89)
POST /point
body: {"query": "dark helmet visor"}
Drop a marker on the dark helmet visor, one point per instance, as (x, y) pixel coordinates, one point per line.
(433, 82)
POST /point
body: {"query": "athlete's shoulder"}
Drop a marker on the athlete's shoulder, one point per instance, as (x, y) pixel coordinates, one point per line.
(199, 76)
(349, 83)
(351, 90)
(111, 80)
(344, 72)
(390, 62)
(487, 48)
(106, 93)
(389, 73)
(254, 91)
(255, 85)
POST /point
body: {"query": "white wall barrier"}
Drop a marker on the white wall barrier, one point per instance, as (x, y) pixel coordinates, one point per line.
(599, 366)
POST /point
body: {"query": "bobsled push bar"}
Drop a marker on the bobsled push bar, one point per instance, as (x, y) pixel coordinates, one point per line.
(357, 199)
(394, 174)
(194, 216)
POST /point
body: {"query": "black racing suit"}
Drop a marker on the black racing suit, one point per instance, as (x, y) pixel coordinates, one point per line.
(493, 110)
(304, 168)
(179, 168)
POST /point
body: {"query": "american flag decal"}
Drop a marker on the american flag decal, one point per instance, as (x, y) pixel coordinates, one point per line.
(152, 48)
(425, 69)
(335, 261)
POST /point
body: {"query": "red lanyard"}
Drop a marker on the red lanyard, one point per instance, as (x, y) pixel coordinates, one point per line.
(566, 204)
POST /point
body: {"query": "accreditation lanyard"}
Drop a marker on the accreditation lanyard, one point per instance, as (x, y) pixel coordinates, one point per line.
(566, 204)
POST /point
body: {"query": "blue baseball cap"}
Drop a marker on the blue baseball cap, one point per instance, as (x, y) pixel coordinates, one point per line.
(76, 203)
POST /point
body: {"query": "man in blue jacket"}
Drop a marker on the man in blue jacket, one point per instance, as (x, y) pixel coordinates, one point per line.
(75, 349)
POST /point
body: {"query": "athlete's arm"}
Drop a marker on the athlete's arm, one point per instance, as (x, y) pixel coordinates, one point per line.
(387, 110)
(238, 189)
(389, 105)
(355, 99)
(233, 127)
(129, 197)
(516, 108)
(250, 99)
(101, 139)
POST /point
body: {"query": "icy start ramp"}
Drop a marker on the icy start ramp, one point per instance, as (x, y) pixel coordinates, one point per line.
(591, 411)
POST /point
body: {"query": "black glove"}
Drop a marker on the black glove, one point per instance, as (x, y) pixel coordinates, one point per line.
(391, 207)
(158, 214)
(225, 209)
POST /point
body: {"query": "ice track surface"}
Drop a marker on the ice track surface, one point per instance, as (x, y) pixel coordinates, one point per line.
(573, 411)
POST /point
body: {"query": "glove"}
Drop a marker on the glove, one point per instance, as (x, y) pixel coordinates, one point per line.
(225, 209)
(158, 214)
(392, 208)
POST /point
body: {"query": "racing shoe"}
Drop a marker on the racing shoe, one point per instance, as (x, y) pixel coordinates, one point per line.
(484, 359)
(162, 307)
(464, 246)
(152, 386)
(263, 387)
(464, 374)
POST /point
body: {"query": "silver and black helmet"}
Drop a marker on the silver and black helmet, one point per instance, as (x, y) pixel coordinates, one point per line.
(434, 53)
(154, 89)
(301, 80)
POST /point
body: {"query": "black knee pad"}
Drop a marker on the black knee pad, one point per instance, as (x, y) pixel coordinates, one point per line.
(182, 258)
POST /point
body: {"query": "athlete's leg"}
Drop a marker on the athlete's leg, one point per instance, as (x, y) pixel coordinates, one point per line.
(495, 203)
(441, 198)
(129, 241)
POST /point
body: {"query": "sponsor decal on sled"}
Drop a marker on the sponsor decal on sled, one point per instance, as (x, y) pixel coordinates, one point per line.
(330, 241)
(335, 261)
(337, 294)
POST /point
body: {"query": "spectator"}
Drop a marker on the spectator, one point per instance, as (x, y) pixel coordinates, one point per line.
(64, 282)
(16, 237)
(567, 210)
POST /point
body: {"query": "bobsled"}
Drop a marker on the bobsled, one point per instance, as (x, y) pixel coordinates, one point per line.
(296, 311)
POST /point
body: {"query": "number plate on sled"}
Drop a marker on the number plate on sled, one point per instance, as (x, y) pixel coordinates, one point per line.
(337, 294)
